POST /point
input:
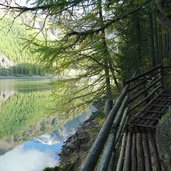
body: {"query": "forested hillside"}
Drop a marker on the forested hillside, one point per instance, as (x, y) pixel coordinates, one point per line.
(16, 58)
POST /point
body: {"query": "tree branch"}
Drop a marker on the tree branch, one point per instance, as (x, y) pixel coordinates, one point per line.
(109, 23)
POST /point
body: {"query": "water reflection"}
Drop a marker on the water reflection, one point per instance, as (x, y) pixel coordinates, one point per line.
(23, 103)
(20, 159)
(24, 119)
(41, 152)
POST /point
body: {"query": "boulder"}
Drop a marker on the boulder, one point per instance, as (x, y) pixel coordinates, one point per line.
(163, 137)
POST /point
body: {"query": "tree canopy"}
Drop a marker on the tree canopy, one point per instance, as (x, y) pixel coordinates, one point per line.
(101, 42)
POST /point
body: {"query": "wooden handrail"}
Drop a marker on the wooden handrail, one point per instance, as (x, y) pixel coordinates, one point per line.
(145, 99)
(97, 148)
(110, 133)
(111, 142)
(144, 90)
(143, 81)
(142, 75)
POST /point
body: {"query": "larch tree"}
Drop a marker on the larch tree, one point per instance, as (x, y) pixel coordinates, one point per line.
(91, 37)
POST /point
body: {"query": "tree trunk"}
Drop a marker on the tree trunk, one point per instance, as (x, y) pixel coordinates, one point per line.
(109, 96)
(153, 55)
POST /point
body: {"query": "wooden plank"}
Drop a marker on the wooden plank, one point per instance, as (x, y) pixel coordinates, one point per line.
(147, 118)
(146, 150)
(166, 94)
(159, 99)
(122, 153)
(155, 163)
(144, 90)
(141, 82)
(156, 105)
(140, 155)
(145, 99)
(133, 154)
(142, 75)
(141, 125)
(153, 111)
(126, 166)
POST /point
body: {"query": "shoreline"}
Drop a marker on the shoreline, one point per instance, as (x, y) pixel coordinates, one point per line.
(25, 77)
(77, 146)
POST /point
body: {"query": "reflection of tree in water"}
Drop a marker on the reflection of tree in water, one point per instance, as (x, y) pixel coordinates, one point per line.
(48, 125)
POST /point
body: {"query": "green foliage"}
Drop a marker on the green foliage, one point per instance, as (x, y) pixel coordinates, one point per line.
(93, 43)
(13, 44)
(74, 96)
(83, 74)
(23, 69)
(135, 44)
(13, 40)
(166, 118)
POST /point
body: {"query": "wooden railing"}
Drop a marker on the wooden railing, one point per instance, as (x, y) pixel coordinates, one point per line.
(137, 92)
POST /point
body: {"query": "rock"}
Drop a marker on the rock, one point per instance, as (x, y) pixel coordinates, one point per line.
(5, 62)
(163, 135)
(76, 147)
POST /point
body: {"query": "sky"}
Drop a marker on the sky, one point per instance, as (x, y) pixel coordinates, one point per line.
(20, 2)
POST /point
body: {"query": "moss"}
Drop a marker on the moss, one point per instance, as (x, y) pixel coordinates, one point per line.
(167, 82)
(66, 167)
(100, 117)
(163, 135)
(166, 117)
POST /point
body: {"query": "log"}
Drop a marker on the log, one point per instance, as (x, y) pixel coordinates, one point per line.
(127, 166)
(95, 151)
(122, 124)
(107, 152)
(118, 140)
(142, 75)
(140, 155)
(110, 144)
(143, 81)
(122, 153)
(146, 150)
(133, 154)
(144, 90)
(113, 161)
(155, 163)
(145, 99)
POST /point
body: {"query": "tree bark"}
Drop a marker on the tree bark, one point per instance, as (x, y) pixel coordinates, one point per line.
(153, 55)
(109, 96)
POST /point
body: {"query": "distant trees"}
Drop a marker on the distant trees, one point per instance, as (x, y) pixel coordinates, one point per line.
(24, 69)
(164, 13)
(103, 42)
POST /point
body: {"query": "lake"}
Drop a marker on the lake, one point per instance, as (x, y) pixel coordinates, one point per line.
(31, 133)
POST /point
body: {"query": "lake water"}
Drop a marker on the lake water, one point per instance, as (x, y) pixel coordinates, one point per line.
(31, 134)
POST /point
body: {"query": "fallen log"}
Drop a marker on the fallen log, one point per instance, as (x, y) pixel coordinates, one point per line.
(155, 163)
(122, 153)
(140, 155)
(127, 166)
(147, 159)
(133, 154)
